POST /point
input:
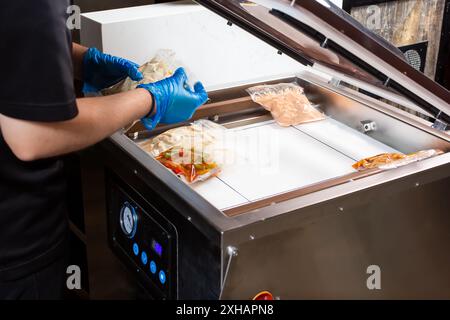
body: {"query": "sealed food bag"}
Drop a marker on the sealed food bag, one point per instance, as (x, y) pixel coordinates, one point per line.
(378, 160)
(394, 160)
(412, 157)
(194, 153)
(287, 103)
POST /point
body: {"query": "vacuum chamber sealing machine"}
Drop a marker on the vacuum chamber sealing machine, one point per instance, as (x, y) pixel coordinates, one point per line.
(294, 218)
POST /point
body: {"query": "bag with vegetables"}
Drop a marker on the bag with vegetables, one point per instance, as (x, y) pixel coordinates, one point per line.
(194, 153)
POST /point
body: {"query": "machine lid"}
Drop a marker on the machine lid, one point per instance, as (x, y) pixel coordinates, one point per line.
(316, 32)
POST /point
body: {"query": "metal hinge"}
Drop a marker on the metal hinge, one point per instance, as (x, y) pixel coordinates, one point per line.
(335, 82)
(440, 124)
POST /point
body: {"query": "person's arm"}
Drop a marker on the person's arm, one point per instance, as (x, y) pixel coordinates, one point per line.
(98, 118)
(78, 53)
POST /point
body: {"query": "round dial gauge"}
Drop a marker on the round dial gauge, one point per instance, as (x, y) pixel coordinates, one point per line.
(128, 220)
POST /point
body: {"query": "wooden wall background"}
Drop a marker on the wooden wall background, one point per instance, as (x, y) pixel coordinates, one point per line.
(406, 22)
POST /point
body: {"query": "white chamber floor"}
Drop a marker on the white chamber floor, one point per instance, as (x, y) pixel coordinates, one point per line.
(269, 160)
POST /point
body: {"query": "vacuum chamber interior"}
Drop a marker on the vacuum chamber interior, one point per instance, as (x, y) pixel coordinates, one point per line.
(270, 160)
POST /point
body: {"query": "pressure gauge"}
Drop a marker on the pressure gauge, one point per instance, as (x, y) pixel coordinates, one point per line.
(128, 220)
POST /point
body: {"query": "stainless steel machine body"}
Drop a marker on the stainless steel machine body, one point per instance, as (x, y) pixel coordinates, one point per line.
(319, 234)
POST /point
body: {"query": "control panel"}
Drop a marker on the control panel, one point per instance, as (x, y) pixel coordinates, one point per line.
(144, 240)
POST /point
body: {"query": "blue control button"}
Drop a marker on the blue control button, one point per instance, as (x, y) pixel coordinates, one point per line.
(152, 267)
(162, 277)
(144, 258)
(135, 249)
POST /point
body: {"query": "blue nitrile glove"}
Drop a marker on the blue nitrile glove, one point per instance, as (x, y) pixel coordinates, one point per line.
(102, 70)
(175, 101)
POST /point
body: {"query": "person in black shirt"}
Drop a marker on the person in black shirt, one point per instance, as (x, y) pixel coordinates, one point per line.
(40, 120)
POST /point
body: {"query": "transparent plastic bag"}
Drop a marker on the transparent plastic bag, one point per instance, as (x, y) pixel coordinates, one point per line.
(194, 153)
(410, 158)
(287, 103)
(387, 161)
(378, 160)
(162, 66)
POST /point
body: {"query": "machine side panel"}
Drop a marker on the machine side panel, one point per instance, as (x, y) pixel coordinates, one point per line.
(331, 250)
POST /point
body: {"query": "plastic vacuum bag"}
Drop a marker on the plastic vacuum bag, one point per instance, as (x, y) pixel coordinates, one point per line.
(387, 161)
(162, 66)
(194, 153)
(287, 103)
(410, 158)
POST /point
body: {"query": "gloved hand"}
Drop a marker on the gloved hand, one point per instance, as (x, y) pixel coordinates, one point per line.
(175, 101)
(102, 70)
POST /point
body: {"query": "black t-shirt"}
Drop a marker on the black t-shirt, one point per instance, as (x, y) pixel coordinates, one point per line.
(36, 84)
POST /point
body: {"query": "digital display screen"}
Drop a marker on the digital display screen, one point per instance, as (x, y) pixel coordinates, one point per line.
(157, 248)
